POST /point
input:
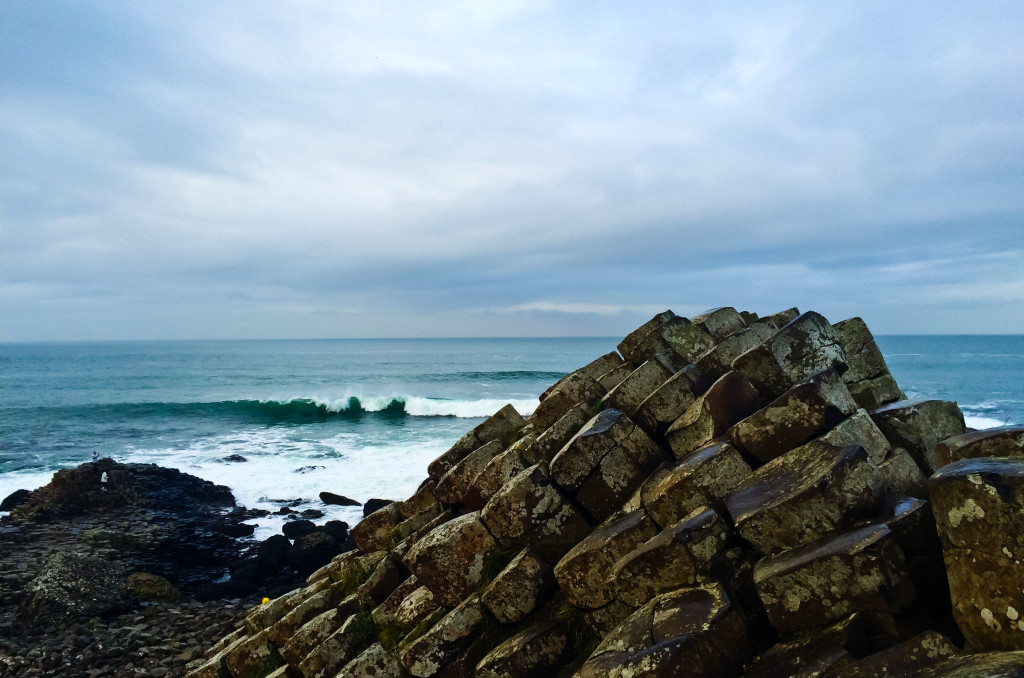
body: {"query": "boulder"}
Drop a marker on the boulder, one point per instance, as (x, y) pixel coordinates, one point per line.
(667, 403)
(538, 650)
(15, 499)
(639, 384)
(523, 586)
(805, 494)
(332, 499)
(918, 426)
(689, 553)
(806, 345)
(373, 662)
(704, 478)
(575, 389)
(720, 322)
(72, 586)
(871, 394)
(312, 551)
(584, 574)
(690, 632)
(498, 471)
(977, 505)
(828, 579)
(805, 411)
(730, 399)
(442, 644)
(863, 358)
(681, 341)
(718, 359)
(1004, 441)
(454, 558)
(452, 487)
(388, 575)
(558, 434)
(375, 504)
(148, 587)
(530, 510)
(293, 529)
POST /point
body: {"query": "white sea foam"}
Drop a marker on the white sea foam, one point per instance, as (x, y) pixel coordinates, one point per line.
(979, 422)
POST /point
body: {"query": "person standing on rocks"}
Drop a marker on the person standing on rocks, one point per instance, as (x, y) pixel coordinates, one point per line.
(103, 481)
(95, 456)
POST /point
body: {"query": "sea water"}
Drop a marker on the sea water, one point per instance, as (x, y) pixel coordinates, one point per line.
(361, 418)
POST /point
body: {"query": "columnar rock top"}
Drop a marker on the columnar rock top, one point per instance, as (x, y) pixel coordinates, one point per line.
(724, 495)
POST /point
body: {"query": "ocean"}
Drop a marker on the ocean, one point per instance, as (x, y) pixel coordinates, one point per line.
(361, 418)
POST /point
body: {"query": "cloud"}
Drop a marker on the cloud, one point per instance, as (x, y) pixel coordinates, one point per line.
(299, 162)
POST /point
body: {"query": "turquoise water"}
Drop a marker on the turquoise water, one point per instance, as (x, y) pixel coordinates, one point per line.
(358, 417)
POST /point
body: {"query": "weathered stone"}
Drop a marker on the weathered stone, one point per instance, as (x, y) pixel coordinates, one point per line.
(520, 588)
(584, 451)
(376, 531)
(619, 474)
(584, 574)
(452, 487)
(977, 505)
(416, 607)
(540, 649)
(730, 399)
(903, 477)
(718, 359)
(254, 657)
(822, 582)
(451, 559)
(603, 620)
(558, 434)
(912, 525)
(804, 494)
(1004, 441)
(403, 547)
(529, 509)
(704, 478)
(421, 500)
(311, 634)
(285, 627)
(594, 369)
(657, 412)
(502, 425)
(373, 662)
(918, 426)
(640, 383)
(681, 341)
(613, 378)
(782, 318)
(336, 650)
(720, 322)
(921, 651)
(575, 389)
(428, 654)
(989, 665)
(859, 429)
(689, 553)
(498, 471)
(74, 586)
(353, 567)
(690, 632)
(806, 410)
(806, 345)
(144, 586)
(636, 346)
(863, 357)
(382, 582)
(870, 394)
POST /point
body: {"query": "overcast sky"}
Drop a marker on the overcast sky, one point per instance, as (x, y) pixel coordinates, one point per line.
(203, 169)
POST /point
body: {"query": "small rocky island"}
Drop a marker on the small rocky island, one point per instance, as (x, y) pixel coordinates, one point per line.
(727, 495)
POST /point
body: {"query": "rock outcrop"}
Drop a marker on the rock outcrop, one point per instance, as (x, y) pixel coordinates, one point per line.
(725, 495)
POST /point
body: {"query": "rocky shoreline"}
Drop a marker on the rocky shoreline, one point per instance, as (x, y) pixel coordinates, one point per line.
(136, 570)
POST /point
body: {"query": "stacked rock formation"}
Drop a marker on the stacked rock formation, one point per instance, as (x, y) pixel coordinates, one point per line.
(725, 495)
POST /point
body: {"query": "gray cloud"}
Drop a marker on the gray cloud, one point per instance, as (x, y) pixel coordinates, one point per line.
(298, 169)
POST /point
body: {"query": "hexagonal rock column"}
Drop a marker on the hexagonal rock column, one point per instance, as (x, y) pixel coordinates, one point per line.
(863, 357)
(805, 494)
(594, 369)
(978, 505)
(523, 586)
(606, 462)
(338, 649)
(782, 318)
(374, 662)
(498, 471)
(640, 383)
(720, 322)
(452, 487)
(806, 410)
(376, 531)
(530, 510)
(690, 632)
(718, 360)
(636, 346)
(681, 341)
(574, 389)
(667, 403)
(902, 475)
(614, 377)
(873, 393)
(1004, 441)
(311, 634)
(918, 426)
(689, 553)
(859, 429)
(539, 650)
(584, 573)
(502, 425)
(255, 656)
(806, 345)
(442, 644)
(988, 664)
(861, 570)
(558, 434)
(416, 607)
(705, 478)
(451, 559)
(729, 400)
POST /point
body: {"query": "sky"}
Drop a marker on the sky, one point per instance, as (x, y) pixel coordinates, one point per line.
(293, 169)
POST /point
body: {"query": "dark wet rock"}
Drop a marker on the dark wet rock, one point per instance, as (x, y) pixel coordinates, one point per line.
(15, 499)
(730, 399)
(537, 650)
(523, 586)
(374, 505)
(151, 588)
(293, 529)
(308, 469)
(333, 499)
(918, 426)
(234, 459)
(72, 586)
(311, 551)
(1004, 441)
